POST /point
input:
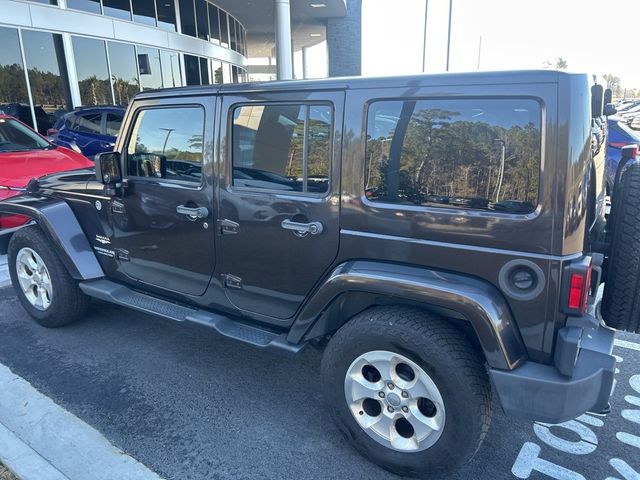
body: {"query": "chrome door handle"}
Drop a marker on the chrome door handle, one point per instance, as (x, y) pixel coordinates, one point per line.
(193, 213)
(314, 228)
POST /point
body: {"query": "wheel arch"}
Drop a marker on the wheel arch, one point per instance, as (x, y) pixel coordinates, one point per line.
(58, 222)
(357, 285)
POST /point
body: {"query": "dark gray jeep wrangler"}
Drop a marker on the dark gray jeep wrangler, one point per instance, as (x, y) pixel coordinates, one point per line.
(441, 236)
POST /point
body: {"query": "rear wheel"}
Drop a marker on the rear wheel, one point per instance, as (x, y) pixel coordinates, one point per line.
(42, 283)
(407, 389)
(621, 298)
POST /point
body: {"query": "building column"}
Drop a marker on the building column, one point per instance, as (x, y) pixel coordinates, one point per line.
(72, 73)
(284, 53)
(306, 63)
(344, 42)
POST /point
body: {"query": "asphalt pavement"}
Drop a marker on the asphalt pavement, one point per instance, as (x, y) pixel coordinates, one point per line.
(190, 404)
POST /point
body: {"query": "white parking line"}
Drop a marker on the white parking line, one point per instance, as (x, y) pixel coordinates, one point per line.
(627, 344)
(4, 272)
(40, 440)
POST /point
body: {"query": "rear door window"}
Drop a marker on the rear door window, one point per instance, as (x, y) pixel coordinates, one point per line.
(282, 147)
(458, 153)
(88, 123)
(113, 123)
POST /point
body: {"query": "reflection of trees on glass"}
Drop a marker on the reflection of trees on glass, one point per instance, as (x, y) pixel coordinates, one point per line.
(94, 91)
(124, 90)
(46, 88)
(13, 88)
(480, 158)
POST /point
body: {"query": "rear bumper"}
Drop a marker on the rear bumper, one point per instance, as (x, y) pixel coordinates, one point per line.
(540, 392)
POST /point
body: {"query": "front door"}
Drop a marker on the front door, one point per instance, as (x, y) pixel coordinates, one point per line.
(279, 201)
(164, 220)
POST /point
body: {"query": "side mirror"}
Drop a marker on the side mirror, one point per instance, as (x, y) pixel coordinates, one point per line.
(108, 168)
(610, 109)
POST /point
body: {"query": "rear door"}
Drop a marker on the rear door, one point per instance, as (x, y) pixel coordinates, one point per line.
(279, 197)
(87, 132)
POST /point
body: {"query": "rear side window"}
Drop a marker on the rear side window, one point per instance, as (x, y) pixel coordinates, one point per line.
(114, 121)
(471, 153)
(282, 147)
(88, 123)
(167, 143)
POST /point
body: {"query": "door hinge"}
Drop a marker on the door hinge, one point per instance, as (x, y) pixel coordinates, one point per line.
(231, 281)
(228, 227)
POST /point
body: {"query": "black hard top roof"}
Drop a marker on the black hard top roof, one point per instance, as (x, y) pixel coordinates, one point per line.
(344, 83)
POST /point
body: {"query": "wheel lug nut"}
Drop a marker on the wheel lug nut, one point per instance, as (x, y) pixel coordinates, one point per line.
(405, 409)
(390, 408)
(381, 394)
(405, 394)
(391, 386)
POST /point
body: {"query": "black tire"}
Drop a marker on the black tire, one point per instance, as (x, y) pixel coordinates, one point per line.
(621, 298)
(443, 352)
(68, 303)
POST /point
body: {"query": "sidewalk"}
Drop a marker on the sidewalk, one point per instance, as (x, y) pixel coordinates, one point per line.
(40, 440)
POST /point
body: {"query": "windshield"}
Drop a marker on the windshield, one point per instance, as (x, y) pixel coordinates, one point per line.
(16, 137)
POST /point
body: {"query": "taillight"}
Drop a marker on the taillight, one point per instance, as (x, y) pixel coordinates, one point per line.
(52, 132)
(576, 283)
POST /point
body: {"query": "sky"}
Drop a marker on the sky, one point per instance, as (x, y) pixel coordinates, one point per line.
(589, 34)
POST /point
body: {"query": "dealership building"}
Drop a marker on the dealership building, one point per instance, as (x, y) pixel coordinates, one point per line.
(57, 55)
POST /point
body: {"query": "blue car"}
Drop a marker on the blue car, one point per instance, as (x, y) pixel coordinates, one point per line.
(91, 129)
(620, 135)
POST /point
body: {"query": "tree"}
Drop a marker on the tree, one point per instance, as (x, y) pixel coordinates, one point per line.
(614, 84)
(560, 64)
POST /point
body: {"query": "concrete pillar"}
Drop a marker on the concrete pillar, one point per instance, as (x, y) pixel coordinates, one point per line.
(306, 66)
(344, 42)
(284, 50)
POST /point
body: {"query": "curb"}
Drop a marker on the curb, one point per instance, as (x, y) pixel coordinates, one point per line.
(40, 440)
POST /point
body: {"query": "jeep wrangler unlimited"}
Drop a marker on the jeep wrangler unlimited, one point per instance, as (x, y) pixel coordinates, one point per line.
(440, 235)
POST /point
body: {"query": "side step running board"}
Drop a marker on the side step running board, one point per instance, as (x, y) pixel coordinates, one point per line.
(122, 295)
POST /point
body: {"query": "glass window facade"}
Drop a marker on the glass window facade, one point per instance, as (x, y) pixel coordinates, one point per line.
(188, 17)
(170, 62)
(144, 12)
(480, 154)
(118, 8)
(149, 68)
(111, 71)
(124, 71)
(202, 19)
(92, 6)
(13, 86)
(166, 10)
(46, 66)
(93, 74)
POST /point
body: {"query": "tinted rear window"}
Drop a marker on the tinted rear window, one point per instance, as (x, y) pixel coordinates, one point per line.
(471, 153)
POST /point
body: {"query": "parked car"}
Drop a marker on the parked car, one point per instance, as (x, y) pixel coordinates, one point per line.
(375, 218)
(92, 129)
(22, 112)
(620, 135)
(24, 155)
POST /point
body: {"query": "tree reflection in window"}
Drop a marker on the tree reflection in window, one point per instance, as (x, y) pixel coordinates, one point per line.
(481, 154)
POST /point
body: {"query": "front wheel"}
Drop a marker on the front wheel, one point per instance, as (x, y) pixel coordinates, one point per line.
(43, 284)
(408, 390)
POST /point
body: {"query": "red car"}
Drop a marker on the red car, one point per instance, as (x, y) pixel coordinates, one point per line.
(25, 154)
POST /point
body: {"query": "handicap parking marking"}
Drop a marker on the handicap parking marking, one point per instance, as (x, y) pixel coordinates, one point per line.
(591, 446)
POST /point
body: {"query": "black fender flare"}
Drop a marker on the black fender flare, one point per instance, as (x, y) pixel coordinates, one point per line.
(58, 222)
(474, 300)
